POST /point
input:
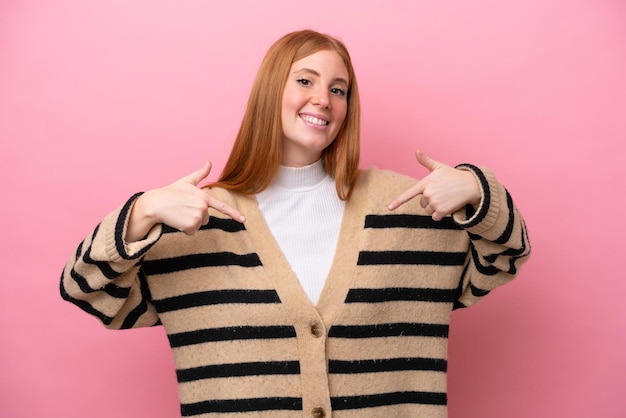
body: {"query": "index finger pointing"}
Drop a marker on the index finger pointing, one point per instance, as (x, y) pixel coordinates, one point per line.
(225, 209)
(406, 196)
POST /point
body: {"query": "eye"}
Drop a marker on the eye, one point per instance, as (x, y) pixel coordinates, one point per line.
(337, 91)
(304, 82)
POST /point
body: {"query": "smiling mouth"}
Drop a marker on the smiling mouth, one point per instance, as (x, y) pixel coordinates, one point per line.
(315, 121)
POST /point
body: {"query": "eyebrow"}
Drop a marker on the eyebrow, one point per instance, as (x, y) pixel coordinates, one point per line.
(309, 70)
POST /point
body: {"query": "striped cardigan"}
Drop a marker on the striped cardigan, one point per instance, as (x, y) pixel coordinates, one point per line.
(245, 336)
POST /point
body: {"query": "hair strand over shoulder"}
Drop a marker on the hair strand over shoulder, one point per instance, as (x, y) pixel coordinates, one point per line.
(257, 152)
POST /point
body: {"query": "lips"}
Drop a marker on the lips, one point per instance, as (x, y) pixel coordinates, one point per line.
(314, 120)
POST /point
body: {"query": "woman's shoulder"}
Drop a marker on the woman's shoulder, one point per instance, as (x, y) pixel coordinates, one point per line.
(378, 187)
(232, 198)
(376, 178)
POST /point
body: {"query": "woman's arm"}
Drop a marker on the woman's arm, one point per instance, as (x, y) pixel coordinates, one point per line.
(479, 204)
(104, 277)
(182, 205)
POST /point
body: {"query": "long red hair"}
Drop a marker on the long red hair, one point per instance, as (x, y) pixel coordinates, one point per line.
(256, 155)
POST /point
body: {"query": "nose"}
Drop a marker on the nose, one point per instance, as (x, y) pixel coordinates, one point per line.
(321, 98)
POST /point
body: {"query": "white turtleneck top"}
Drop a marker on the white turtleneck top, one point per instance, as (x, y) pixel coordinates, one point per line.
(303, 211)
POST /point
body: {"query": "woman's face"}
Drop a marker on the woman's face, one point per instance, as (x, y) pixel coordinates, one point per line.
(314, 107)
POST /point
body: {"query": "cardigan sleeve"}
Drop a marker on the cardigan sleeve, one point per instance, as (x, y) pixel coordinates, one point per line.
(499, 242)
(104, 276)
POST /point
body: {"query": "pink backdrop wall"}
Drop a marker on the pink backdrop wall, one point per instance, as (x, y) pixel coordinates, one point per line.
(99, 99)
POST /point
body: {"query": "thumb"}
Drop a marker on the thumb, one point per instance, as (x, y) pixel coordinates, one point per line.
(426, 161)
(197, 176)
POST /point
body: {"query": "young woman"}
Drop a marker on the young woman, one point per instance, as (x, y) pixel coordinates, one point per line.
(297, 284)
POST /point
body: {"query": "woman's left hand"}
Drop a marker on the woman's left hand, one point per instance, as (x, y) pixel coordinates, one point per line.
(443, 191)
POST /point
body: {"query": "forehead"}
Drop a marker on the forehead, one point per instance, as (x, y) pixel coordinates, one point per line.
(326, 63)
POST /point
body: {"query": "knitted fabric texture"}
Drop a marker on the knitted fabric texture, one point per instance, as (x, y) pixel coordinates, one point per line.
(245, 336)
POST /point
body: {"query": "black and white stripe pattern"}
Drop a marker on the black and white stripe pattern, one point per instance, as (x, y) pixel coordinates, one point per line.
(246, 340)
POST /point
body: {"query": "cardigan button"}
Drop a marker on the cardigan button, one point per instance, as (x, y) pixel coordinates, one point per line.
(316, 330)
(318, 413)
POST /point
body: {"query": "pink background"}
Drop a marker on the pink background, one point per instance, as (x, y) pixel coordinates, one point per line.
(99, 99)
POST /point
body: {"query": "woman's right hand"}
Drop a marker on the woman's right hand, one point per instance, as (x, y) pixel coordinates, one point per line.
(181, 205)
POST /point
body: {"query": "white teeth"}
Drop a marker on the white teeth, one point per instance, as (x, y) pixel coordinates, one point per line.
(314, 120)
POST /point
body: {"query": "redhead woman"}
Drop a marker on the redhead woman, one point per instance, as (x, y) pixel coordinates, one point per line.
(298, 284)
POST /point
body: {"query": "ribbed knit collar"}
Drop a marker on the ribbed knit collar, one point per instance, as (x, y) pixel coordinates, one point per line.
(300, 179)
